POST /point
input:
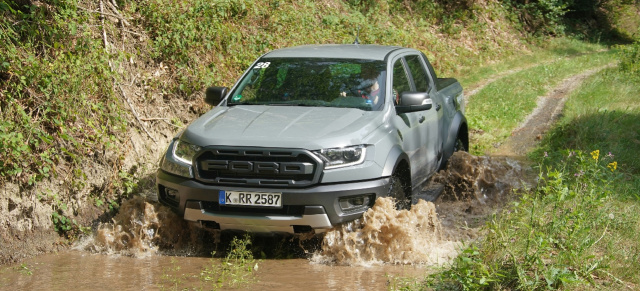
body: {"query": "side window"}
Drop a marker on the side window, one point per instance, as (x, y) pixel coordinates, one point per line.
(418, 73)
(400, 81)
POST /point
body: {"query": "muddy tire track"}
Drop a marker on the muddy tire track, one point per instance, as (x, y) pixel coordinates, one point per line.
(478, 186)
(548, 110)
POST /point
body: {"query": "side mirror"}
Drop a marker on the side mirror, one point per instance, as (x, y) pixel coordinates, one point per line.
(214, 95)
(414, 101)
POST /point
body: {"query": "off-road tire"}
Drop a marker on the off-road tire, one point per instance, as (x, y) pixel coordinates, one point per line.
(397, 190)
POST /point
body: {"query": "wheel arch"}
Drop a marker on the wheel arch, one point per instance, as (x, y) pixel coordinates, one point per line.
(398, 163)
(458, 129)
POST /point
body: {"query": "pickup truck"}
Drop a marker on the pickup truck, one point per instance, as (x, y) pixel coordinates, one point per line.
(311, 136)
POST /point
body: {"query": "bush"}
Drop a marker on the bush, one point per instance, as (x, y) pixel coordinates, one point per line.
(630, 60)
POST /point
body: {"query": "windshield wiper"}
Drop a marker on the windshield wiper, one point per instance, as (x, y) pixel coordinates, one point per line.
(243, 103)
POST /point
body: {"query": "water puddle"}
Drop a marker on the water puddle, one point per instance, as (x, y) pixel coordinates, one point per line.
(147, 246)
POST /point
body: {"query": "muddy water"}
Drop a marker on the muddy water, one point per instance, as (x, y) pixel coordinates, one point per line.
(146, 247)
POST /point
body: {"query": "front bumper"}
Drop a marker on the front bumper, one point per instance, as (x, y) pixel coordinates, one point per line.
(315, 208)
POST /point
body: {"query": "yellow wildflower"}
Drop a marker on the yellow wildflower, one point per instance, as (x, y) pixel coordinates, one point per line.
(613, 166)
(595, 154)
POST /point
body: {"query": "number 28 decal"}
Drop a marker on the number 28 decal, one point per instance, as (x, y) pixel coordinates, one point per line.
(262, 65)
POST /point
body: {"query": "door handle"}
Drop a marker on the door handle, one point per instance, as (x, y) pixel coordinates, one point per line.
(422, 118)
(438, 107)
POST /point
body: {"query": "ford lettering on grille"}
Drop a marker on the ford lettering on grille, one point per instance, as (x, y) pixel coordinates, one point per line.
(247, 167)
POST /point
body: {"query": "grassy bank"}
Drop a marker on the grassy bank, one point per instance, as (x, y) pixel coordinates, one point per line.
(578, 229)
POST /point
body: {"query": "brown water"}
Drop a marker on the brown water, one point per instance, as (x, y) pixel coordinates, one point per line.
(146, 247)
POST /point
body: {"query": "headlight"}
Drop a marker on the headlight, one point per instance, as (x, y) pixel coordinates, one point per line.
(342, 157)
(184, 151)
(179, 161)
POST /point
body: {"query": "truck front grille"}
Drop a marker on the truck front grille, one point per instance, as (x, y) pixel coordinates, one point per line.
(253, 166)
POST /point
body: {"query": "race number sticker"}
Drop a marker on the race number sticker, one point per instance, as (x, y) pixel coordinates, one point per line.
(262, 65)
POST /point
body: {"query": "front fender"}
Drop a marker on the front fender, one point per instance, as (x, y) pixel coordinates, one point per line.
(396, 155)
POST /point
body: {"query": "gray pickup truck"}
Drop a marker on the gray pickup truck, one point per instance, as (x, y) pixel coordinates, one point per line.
(310, 136)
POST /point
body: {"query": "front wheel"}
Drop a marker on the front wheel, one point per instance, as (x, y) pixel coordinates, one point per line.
(398, 191)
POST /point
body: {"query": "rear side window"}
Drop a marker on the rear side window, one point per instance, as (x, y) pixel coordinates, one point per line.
(400, 80)
(418, 72)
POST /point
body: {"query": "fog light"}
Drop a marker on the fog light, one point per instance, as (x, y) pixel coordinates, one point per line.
(354, 202)
(172, 194)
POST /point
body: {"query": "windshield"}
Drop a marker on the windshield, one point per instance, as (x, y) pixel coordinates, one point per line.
(313, 82)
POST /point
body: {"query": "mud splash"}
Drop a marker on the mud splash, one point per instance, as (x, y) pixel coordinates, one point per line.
(385, 235)
(475, 187)
(482, 178)
(139, 229)
(430, 233)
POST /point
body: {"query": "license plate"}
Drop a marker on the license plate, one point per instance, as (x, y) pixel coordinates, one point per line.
(250, 198)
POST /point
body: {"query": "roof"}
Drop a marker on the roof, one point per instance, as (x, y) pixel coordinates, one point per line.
(335, 51)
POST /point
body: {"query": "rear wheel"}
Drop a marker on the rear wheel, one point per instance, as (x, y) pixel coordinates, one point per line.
(398, 191)
(459, 146)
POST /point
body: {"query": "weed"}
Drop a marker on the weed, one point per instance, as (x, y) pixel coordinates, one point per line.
(552, 237)
(24, 269)
(235, 270)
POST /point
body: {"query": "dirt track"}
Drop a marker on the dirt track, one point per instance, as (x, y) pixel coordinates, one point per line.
(477, 186)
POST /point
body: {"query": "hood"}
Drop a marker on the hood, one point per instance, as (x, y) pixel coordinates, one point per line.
(282, 126)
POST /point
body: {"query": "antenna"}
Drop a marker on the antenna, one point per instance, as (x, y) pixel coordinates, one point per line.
(357, 35)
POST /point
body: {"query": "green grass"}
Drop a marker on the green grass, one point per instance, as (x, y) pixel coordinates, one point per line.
(500, 106)
(551, 51)
(580, 227)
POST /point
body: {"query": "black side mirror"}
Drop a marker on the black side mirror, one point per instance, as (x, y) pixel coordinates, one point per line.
(414, 101)
(214, 95)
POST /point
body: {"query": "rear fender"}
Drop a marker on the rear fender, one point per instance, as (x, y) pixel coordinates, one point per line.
(458, 126)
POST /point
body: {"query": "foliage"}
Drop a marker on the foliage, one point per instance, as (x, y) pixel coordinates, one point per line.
(553, 237)
(67, 227)
(630, 61)
(234, 271)
(55, 82)
(542, 16)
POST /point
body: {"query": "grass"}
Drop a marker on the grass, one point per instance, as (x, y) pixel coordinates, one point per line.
(499, 107)
(579, 228)
(552, 51)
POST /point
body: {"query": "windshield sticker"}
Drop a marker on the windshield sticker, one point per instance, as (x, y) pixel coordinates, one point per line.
(262, 65)
(237, 97)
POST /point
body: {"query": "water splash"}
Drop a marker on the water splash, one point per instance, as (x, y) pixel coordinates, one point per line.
(474, 187)
(385, 235)
(482, 178)
(139, 229)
